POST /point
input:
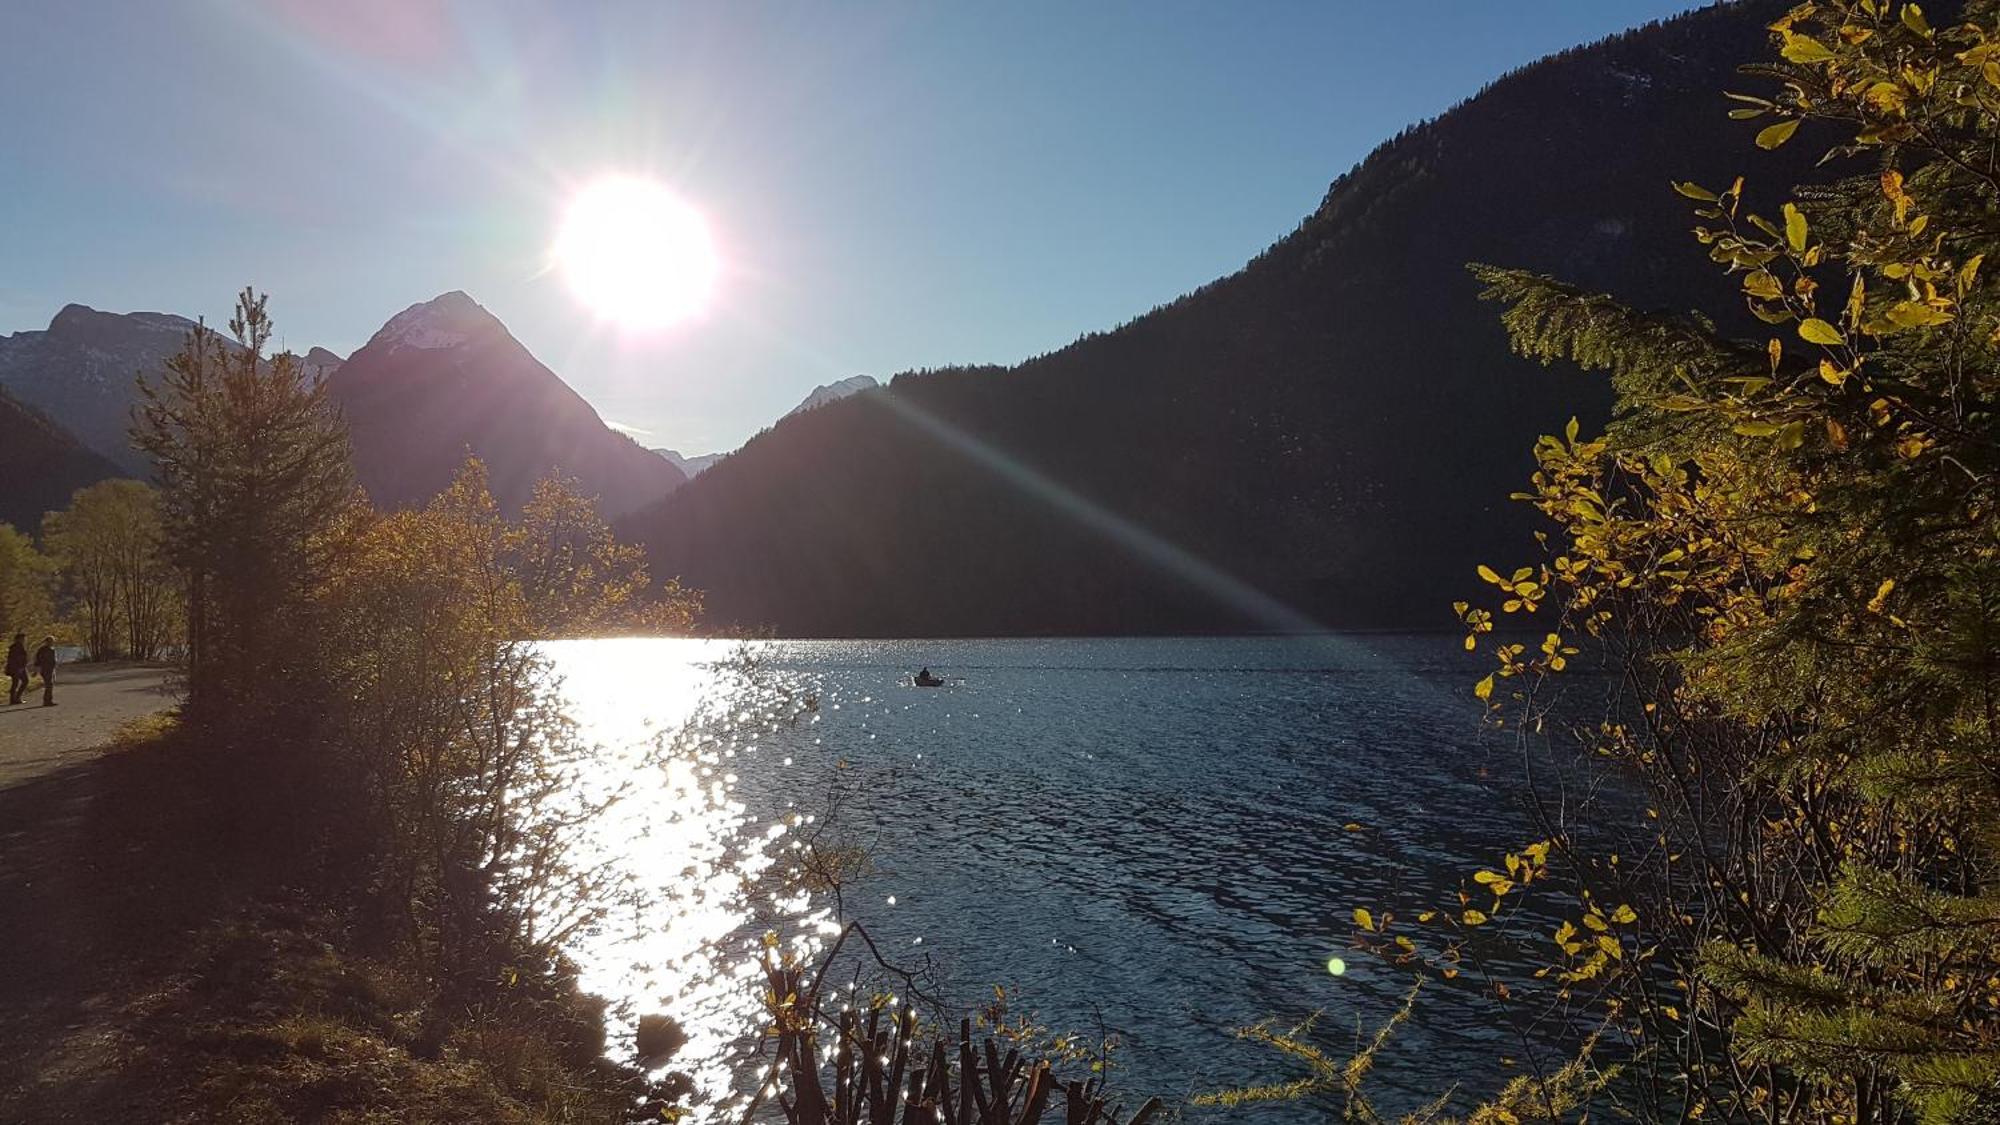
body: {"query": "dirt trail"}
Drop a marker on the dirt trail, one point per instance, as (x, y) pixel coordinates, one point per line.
(92, 702)
(100, 882)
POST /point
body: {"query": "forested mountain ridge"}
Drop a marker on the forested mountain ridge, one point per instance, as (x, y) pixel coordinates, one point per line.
(444, 377)
(41, 464)
(819, 396)
(1337, 425)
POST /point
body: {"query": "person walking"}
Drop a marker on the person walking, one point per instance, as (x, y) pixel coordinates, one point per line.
(45, 663)
(17, 669)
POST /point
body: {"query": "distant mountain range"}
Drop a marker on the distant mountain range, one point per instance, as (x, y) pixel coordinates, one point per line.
(821, 395)
(1327, 436)
(690, 467)
(441, 378)
(79, 372)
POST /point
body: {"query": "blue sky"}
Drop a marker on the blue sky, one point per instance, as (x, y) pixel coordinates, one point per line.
(890, 185)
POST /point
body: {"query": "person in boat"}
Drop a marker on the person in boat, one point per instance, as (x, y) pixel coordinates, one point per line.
(925, 679)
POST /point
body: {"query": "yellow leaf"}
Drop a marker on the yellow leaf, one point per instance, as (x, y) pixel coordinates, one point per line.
(1610, 946)
(1364, 919)
(1802, 49)
(1625, 915)
(1474, 918)
(1817, 331)
(1771, 136)
(1834, 376)
(1881, 597)
(1484, 688)
(1795, 228)
(1916, 314)
(1490, 574)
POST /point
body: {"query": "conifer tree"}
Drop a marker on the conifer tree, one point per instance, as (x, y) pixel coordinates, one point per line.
(254, 474)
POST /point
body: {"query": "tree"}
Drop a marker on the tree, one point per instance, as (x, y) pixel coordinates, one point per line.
(81, 539)
(25, 578)
(148, 591)
(254, 476)
(107, 546)
(577, 578)
(449, 715)
(1786, 546)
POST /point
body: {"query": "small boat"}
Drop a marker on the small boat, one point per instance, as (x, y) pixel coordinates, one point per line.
(925, 679)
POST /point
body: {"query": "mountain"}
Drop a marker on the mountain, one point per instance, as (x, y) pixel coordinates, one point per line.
(41, 464)
(444, 377)
(441, 377)
(320, 363)
(690, 467)
(1326, 437)
(80, 372)
(834, 392)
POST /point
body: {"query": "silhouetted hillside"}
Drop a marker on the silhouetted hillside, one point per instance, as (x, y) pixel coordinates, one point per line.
(1338, 424)
(444, 377)
(41, 464)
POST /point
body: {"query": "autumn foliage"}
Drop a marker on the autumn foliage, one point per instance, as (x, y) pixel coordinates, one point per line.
(1784, 551)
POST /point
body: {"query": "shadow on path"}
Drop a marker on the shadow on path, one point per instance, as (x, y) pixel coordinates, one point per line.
(107, 868)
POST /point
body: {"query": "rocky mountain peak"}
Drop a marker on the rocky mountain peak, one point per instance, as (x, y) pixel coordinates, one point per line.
(445, 321)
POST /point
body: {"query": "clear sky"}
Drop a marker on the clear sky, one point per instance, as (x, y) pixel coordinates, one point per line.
(890, 185)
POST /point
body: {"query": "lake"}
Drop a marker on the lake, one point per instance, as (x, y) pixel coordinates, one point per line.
(1161, 838)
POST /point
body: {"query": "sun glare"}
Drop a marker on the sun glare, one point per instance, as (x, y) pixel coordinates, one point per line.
(636, 254)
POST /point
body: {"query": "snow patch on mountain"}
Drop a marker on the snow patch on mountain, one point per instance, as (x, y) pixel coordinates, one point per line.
(445, 321)
(834, 392)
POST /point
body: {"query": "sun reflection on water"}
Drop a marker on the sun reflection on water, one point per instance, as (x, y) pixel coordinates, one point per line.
(673, 723)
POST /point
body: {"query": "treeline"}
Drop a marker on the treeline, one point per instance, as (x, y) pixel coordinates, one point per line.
(99, 577)
(367, 688)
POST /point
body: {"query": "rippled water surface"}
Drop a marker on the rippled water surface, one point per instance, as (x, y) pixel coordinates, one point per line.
(1148, 836)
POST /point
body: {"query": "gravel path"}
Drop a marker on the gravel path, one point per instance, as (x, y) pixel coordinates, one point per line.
(92, 702)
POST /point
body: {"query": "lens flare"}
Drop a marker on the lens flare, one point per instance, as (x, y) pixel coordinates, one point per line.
(636, 254)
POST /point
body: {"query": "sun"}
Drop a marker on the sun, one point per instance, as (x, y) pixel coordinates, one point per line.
(635, 253)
